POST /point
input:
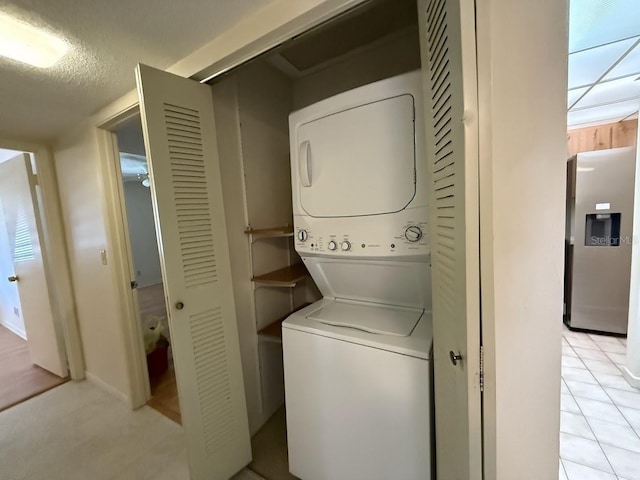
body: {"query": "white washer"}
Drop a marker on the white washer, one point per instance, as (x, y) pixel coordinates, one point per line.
(357, 363)
(358, 403)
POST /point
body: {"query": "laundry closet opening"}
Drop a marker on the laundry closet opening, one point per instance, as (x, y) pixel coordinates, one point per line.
(252, 105)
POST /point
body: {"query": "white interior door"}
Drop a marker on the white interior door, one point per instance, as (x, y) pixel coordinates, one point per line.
(179, 131)
(19, 203)
(447, 36)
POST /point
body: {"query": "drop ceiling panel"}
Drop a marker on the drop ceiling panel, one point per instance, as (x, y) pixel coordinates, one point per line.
(602, 114)
(587, 66)
(626, 88)
(595, 22)
(630, 65)
(574, 95)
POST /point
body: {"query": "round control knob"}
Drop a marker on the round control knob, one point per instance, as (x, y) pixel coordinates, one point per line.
(303, 235)
(333, 245)
(346, 246)
(413, 233)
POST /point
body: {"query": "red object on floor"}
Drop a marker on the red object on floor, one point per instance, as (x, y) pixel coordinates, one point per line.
(157, 360)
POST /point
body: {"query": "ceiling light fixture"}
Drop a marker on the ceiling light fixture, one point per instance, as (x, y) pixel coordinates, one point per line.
(28, 44)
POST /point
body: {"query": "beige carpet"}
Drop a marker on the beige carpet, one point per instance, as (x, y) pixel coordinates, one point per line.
(78, 432)
(269, 447)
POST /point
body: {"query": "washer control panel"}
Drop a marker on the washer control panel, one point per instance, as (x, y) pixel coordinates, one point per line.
(396, 235)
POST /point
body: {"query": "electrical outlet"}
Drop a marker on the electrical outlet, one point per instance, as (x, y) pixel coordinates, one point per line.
(16, 311)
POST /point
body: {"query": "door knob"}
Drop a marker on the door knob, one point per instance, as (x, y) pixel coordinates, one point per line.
(13, 278)
(454, 357)
(179, 305)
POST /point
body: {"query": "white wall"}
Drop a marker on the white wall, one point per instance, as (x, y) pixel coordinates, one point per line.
(98, 311)
(142, 234)
(522, 66)
(252, 108)
(631, 370)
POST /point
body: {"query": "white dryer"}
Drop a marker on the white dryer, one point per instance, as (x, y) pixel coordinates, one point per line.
(357, 363)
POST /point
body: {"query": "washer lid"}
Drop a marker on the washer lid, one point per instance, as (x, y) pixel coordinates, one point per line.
(368, 317)
(417, 344)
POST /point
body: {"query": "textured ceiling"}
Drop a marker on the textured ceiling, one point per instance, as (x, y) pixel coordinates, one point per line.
(108, 39)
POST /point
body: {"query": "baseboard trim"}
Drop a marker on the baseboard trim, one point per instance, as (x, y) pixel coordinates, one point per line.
(21, 333)
(101, 384)
(630, 377)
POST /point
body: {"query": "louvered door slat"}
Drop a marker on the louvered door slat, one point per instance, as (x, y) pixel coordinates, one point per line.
(185, 182)
(448, 64)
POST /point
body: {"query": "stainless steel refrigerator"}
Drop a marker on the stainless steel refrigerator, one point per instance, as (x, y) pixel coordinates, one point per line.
(600, 191)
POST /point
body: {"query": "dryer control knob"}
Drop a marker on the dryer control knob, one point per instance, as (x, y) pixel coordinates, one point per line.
(333, 245)
(303, 235)
(346, 246)
(413, 233)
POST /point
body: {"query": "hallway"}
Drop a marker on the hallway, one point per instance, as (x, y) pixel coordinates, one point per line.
(77, 431)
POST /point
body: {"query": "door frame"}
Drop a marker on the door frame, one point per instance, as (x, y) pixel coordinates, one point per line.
(55, 257)
(122, 256)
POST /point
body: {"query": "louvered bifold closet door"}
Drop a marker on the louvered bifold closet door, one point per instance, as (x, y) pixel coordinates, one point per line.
(448, 50)
(179, 131)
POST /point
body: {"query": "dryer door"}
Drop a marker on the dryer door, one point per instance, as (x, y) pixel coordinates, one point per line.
(359, 161)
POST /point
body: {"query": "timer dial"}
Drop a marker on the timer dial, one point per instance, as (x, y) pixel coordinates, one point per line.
(346, 246)
(413, 233)
(303, 235)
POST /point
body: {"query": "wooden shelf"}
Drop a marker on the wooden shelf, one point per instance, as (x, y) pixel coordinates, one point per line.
(273, 331)
(285, 277)
(285, 231)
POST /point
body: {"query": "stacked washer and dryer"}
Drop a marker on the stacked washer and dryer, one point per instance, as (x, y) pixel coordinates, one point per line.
(357, 364)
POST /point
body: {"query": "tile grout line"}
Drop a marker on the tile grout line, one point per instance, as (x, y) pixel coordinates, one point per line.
(596, 440)
(613, 403)
(591, 429)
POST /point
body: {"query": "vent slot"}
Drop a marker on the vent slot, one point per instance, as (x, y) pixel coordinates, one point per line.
(212, 377)
(443, 172)
(189, 182)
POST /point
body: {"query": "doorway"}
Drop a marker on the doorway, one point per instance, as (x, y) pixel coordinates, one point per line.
(30, 352)
(147, 279)
(600, 406)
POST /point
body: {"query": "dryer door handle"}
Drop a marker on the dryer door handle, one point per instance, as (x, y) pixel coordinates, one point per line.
(304, 163)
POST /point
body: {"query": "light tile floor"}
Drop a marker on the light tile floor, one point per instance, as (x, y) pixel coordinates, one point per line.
(600, 410)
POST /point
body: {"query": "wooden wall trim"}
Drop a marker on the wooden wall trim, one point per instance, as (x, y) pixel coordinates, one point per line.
(602, 137)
